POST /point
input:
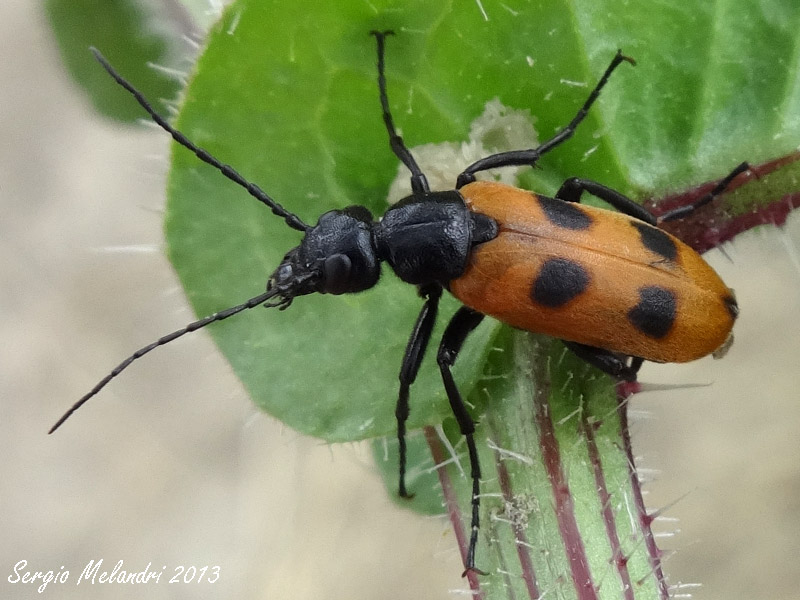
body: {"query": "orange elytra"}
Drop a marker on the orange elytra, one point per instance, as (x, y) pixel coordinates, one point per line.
(593, 276)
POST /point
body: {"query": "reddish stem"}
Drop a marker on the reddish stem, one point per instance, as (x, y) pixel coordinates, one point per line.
(620, 560)
(711, 225)
(451, 503)
(565, 507)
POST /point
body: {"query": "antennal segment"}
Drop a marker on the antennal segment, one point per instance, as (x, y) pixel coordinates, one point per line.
(218, 316)
(291, 219)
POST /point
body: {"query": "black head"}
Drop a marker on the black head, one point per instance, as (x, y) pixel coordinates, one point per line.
(336, 256)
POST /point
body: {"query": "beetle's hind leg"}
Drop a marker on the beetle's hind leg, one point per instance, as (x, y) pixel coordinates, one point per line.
(619, 366)
(684, 211)
(460, 326)
(572, 190)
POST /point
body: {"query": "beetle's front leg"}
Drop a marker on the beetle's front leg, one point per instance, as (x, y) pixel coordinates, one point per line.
(415, 351)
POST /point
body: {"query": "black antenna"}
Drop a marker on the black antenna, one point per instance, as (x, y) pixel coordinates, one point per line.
(217, 316)
(291, 219)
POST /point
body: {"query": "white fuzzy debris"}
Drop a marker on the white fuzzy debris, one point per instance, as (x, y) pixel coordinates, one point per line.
(497, 129)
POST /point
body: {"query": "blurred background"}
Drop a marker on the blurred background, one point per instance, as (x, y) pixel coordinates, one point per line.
(179, 469)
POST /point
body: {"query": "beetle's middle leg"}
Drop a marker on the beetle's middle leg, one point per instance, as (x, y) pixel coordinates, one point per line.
(529, 157)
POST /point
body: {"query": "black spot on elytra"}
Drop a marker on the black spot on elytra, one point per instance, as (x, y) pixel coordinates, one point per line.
(656, 240)
(559, 281)
(655, 313)
(564, 214)
(732, 306)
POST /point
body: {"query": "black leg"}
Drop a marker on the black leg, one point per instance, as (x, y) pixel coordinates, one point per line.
(636, 364)
(609, 362)
(529, 157)
(572, 189)
(683, 211)
(460, 326)
(419, 184)
(415, 350)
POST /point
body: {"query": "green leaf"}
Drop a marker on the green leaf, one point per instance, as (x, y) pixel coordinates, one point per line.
(286, 92)
(131, 34)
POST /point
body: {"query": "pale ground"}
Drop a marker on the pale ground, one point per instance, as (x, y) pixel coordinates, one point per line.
(174, 466)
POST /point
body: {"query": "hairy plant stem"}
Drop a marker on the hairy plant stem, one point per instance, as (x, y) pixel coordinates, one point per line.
(562, 508)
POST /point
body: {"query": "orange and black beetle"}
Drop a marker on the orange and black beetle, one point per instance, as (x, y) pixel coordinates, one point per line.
(617, 289)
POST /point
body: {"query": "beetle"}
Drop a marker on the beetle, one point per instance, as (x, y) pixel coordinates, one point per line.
(616, 288)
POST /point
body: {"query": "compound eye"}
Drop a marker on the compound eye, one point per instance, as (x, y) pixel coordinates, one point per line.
(283, 274)
(336, 272)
